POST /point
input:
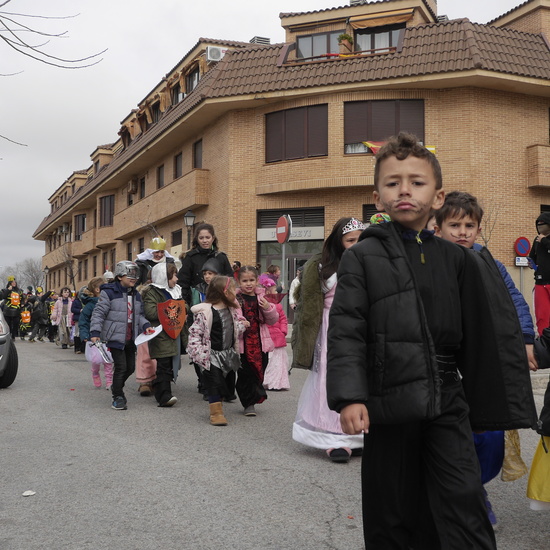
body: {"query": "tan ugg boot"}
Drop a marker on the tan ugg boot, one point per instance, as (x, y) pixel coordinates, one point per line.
(216, 415)
(145, 389)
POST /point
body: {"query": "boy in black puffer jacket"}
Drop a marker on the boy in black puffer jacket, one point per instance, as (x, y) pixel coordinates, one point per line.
(416, 341)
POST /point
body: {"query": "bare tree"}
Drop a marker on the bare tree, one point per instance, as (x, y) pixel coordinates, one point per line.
(489, 221)
(151, 227)
(14, 32)
(32, 270)
(66, 259)
(27, 273)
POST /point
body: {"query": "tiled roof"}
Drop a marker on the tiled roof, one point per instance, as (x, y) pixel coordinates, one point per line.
(437, 48)
(292, 14)
(509, 11)
(456, 45)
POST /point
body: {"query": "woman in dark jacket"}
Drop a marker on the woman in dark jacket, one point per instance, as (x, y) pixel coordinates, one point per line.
(203, 247)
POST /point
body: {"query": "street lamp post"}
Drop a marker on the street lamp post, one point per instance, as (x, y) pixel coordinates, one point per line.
(46, 271)
(189, 220)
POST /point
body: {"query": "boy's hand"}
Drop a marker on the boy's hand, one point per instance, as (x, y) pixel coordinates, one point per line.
(263, 302)
(95, 339)
(533, 365)
(149, 330)
(355, 419)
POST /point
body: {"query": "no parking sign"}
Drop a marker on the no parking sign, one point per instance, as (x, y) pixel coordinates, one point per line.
(522, 246)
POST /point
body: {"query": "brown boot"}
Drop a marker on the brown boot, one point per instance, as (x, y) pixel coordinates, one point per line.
(145, 390)
(216, 415)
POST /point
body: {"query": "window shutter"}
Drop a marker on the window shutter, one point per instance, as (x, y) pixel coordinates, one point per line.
(274, 136)
(317, 131)
(355, 121)
(295, 128)
(411, 117)
(382, 120)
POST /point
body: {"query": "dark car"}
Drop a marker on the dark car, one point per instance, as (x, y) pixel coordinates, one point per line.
(9, 362)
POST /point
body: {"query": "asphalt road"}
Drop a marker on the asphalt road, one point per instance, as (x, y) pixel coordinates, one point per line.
(150, 478)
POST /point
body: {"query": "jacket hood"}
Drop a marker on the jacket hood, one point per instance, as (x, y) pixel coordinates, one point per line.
(201, 308)
(159, 279)
(380, 231)
(543, 218)
(212, 264)
(148, 255)
(86, 299)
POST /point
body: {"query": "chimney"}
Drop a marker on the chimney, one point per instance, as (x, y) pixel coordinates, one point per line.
(260, 40)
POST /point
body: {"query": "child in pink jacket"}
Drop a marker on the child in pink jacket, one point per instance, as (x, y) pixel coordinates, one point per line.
(276, 372)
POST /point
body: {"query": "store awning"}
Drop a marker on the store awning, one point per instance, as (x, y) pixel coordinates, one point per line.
(380, 19)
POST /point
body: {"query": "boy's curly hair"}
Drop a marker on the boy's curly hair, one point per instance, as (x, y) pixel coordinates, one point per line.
(459, 204)
(401, 146)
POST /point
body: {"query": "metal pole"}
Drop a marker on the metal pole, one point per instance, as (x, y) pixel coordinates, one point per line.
(283, 269)
(521, 280)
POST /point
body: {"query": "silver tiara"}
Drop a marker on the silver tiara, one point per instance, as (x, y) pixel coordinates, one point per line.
(353, 225)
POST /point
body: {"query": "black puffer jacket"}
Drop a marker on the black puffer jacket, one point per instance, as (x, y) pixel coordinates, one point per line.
(381, 353)
(540, 253)
(190, 273)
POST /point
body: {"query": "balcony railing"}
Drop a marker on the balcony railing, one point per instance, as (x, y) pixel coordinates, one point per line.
(189, 191)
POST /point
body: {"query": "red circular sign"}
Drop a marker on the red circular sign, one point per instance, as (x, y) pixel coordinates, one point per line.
(283, 229)
(522, 246)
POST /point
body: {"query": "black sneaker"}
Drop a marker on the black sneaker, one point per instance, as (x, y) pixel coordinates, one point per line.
(169, 403)
(119, 403)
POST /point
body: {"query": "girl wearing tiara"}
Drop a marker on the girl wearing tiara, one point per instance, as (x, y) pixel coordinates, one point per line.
(316, 425)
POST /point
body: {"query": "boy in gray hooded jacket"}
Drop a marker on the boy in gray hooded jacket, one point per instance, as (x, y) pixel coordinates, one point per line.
(117, 320)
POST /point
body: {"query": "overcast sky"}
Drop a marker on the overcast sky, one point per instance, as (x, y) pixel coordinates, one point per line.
(62, 115)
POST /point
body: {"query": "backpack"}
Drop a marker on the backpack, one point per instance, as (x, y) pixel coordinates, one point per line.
(15, 299)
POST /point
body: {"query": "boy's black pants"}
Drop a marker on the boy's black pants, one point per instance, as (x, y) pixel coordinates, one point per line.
(38, 329)
(124, 365)
(163, 382)
(13, 323)
(421, 482)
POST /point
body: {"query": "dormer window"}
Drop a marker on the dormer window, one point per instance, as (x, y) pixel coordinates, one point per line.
(314, 45)
(378, 39)
(192, 80)
(156, 112)
(177, 94)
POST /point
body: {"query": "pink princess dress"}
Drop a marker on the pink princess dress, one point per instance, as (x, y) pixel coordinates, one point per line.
(316, 425)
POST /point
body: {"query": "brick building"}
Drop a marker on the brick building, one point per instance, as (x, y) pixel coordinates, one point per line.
(240, 133)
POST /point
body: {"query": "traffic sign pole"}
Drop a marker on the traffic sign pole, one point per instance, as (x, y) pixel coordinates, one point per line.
(522, 247)
(283, 230)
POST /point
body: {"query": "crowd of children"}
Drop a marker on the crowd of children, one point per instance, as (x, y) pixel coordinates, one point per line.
(415, 347)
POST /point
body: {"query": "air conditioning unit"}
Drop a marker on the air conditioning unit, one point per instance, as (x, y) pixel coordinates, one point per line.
(214, 53)
(133, 186)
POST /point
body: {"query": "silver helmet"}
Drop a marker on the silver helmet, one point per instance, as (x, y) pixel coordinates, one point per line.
(130, 269)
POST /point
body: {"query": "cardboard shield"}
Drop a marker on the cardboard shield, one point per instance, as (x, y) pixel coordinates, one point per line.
(172, 316)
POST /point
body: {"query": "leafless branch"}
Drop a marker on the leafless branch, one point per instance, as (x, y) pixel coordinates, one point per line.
(488, 225)
(13, 141)
(13, 28)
